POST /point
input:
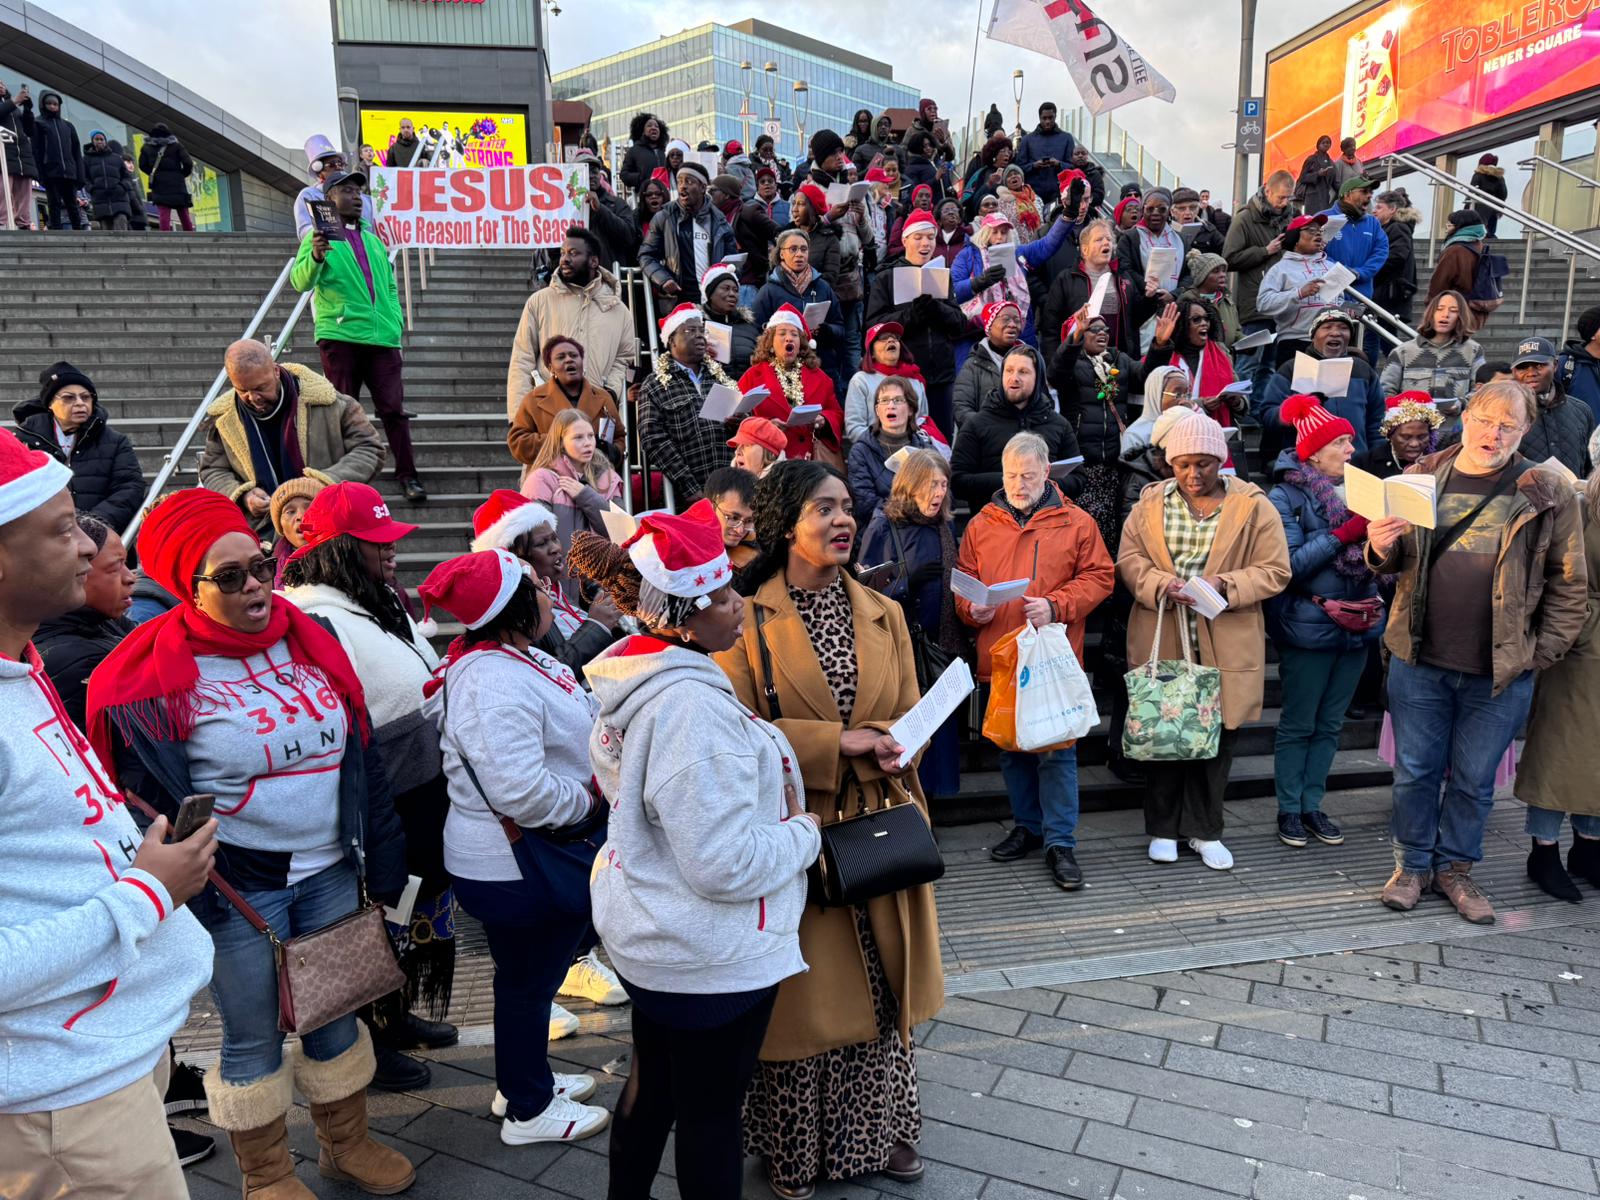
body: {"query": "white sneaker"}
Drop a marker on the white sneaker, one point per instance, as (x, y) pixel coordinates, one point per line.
(562, 1121)
(1214, 854)
(591, 979)
(573, 1087)
(1163, 850)
(562, 1023)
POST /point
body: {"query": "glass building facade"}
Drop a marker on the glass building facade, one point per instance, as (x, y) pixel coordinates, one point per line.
(692, 81)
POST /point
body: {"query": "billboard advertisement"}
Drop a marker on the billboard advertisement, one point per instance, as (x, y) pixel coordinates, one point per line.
(472, 139)
(1405, 72)
(495, 208)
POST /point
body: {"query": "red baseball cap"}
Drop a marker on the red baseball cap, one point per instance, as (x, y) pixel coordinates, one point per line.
(882, 328)
(1305, 219)
(353, 508)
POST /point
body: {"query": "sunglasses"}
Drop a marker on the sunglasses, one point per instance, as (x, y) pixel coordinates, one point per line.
(230, 580)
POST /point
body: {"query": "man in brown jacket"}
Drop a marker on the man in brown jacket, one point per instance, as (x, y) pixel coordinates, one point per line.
(1496, 591)
(281, 421)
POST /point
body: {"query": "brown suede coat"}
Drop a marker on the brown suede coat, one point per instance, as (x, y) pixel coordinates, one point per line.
(1252, 557)
(541, 406)
(830, 1005)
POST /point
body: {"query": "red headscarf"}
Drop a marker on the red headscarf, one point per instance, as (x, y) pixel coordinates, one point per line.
(151, 676)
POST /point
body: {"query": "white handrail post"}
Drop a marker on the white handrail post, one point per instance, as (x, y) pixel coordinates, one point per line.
(5, 178)
(405, 270)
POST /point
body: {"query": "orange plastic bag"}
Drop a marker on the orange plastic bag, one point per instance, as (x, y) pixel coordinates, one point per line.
(1000, 717)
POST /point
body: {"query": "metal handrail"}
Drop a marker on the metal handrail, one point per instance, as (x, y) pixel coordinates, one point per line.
(1379, 313)
(1583, 180)
(1527, 220)
(5, 179)
(169, 462)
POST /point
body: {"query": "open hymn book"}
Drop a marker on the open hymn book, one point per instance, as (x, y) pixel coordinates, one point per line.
(1412, 497)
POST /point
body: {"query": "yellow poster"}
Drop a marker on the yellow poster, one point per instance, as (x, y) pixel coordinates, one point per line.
(1371, 92)
(471, 139)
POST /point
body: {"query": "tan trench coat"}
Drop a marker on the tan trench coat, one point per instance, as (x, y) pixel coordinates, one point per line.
(1556, 769)
(1252, 557)
(830, 1005)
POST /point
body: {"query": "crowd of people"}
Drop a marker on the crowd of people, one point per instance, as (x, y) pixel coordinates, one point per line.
(645, 731)
(98, 183)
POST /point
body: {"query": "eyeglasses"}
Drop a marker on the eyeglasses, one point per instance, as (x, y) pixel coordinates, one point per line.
(735, 520)
(1500, 431)
(230, 580)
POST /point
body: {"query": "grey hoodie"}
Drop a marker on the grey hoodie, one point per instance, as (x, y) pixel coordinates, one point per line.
(701, 883)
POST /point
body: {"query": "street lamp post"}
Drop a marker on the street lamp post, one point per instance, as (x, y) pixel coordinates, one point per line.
(1247, 44)
(802, 110)
(744, 109)
(769, 74)
(1016, 90)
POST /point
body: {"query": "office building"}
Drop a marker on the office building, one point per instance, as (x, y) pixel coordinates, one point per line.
(693, 81)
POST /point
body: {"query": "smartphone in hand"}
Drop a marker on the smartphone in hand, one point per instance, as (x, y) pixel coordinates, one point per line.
(194, 812)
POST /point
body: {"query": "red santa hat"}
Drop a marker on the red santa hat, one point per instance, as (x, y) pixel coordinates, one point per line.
(681, 554)
(1314, 425)
(715, 272)
(1408, 407)
(475, 587)
(28, 478)
(991, 312)
(788, 314)
(917, 218)
(678, 316)
(1065, 179)
(504, 517)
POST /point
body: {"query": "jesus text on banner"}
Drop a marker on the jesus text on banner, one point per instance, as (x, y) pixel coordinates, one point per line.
(486, 208)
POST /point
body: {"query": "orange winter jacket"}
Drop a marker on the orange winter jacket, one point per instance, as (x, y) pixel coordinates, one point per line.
(1059, 548)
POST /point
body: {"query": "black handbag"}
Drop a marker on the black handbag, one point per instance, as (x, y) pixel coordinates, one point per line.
(875, 852)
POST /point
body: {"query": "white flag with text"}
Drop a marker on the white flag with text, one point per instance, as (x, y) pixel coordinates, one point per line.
(1108, 71)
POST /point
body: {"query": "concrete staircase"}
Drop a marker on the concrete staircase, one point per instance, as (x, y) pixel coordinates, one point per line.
(148, 317)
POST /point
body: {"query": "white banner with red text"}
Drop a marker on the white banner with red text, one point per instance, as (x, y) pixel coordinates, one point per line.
(483, 208)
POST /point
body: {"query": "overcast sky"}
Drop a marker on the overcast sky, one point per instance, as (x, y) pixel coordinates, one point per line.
(270, 62)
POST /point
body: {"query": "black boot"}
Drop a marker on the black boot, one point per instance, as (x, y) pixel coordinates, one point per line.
(411, 1032)
(1544, 868)
(1583, 860)
(397, 1072)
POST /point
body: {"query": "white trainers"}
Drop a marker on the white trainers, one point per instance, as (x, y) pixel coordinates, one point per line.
(591, 979)
(562, 1023)
(573, 1087)
(562, 1121)
(1163, 850)
(1214, 854)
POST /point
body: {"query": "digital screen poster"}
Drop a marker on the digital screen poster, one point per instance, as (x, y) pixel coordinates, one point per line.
(471, 139)
(1402, 74)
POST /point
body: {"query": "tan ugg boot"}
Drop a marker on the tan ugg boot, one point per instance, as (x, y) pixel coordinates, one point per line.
(337, 1090)
(252, 1114)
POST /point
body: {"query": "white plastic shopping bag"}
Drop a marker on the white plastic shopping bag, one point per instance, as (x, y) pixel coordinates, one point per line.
(1054, 702)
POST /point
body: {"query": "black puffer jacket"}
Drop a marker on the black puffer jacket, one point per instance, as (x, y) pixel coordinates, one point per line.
(931, 327)
(1096, 423)
(975, 462)
(106, 479)
(19, 154)
(168, 164)
(73, 645)
(1139, 471)
(642, 157)
(1562, 431)
(1069, 293)
(56, 148)
(107, 178)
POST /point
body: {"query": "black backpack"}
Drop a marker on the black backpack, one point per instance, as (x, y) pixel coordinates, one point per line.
(1486, 276)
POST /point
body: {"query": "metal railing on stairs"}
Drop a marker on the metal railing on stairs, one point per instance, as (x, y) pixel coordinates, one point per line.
(636, 290)
(1533, 227)
(170, 461)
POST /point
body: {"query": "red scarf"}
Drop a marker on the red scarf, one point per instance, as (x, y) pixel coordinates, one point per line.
(905, 368)
(151, 678)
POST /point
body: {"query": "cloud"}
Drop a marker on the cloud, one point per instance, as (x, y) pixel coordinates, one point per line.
(272, 64)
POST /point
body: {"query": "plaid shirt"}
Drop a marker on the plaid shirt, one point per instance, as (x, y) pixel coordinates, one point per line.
(676, 441)
(1189, 541)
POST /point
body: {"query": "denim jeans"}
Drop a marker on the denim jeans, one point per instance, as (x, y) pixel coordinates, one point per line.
(532, 949)
(1256, 366)
(1044, 793)
(244, 976)
(1545, 824)
(1318, 686)
(1445, 719)
(853, 332)
(747, 295)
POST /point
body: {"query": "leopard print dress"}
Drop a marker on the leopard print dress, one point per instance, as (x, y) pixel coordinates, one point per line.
(838, 1114)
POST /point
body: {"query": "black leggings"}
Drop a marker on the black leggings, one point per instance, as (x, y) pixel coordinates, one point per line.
(696, 1077)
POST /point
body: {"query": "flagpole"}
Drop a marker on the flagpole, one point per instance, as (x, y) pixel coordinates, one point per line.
(966, 130)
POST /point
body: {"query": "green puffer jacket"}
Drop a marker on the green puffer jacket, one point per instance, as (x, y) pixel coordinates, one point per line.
(346, 310)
